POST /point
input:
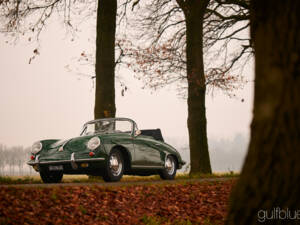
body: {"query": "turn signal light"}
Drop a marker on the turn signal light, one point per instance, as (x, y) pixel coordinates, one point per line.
(91, 154)
(32, 157)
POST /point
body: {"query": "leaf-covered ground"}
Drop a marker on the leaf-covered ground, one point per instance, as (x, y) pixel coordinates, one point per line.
(179, 203)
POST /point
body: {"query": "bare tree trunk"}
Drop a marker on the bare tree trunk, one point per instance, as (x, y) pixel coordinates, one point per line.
(20, 165)
(194, 12)
(105, 59)
(270, 179)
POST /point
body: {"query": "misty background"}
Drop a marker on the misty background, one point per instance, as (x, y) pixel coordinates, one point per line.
(51, 96)
(226, 156)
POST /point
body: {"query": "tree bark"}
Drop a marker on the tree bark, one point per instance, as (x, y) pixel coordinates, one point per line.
(270, 177)
(194, 12)
(105, 59)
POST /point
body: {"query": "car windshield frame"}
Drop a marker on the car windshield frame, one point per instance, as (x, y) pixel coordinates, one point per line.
(110, 120)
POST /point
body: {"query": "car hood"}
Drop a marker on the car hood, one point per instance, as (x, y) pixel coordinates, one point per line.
(81, 141)
(73, 144)
(62, 149)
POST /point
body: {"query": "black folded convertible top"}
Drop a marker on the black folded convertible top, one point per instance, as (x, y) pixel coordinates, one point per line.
(156, 134)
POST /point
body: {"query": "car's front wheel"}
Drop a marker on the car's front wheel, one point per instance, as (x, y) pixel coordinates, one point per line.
(51, 177)
(114, 167)
(169, 172)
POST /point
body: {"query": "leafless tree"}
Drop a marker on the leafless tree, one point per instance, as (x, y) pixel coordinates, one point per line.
(189, 43)
(30, 17)
(159, 58)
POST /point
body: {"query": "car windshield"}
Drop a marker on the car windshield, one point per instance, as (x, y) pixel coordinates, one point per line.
(107, 126)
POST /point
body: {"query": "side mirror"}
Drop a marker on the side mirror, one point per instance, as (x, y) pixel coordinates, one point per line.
(137, 133)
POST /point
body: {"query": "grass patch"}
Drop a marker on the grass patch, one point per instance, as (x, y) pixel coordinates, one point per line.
(95, 179)
(201, 175)
(19, 180)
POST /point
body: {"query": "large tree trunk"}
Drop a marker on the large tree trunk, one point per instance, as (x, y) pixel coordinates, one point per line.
(105, 59)
(270, 179)
(194, 11)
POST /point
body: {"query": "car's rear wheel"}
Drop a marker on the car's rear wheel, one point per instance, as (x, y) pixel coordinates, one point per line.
(114, 167)
(51, 177)
(169, 172)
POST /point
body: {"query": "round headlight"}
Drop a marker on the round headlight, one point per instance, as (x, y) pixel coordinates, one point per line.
(93, 143)
(36, 147)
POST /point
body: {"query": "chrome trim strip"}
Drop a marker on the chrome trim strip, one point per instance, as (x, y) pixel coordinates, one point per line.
(73, 157)
(73, 163)
(141, 166)
(91, 159)
(55, 162)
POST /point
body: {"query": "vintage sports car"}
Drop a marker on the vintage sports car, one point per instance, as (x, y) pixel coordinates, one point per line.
(109, 148)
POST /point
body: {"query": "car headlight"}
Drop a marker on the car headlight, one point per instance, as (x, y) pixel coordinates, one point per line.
(93, 143)
(36, 147)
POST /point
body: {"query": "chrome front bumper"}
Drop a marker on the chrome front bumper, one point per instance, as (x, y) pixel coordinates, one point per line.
(72, 161)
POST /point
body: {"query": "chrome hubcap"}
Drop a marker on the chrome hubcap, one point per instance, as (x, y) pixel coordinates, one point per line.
(170, 165)
(115, 164)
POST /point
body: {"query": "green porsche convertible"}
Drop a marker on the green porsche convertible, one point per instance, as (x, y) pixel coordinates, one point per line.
(109, 148)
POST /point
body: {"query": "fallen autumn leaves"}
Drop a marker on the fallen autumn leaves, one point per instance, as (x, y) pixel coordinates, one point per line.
(181, 203)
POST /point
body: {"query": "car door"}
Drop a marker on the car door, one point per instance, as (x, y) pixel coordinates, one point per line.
(146, 152)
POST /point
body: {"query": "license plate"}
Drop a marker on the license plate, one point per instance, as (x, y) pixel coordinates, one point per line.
(55, 168)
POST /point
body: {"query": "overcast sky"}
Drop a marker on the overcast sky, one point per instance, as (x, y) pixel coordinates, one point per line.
(45, 100)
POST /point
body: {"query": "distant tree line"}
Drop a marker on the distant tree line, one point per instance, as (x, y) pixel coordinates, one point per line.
(13, 160)
(226, 154)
